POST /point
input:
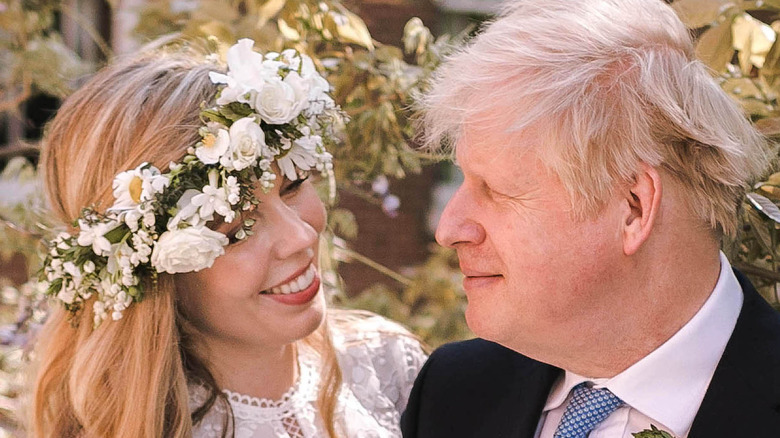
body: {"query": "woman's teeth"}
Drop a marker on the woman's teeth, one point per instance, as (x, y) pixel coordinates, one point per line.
(297, 284)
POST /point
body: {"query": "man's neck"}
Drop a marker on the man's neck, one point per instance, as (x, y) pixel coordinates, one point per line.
(664, 299)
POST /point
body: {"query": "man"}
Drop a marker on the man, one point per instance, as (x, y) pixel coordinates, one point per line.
(602, 166)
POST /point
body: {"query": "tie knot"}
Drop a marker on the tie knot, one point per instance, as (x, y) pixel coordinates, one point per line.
(587, 408)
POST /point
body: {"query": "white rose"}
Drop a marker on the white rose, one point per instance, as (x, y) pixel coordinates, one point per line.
(247, 142)
(280, 101)
(214, 146)
(187, 250)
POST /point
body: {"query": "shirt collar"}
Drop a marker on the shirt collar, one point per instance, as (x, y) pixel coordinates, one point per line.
(668, 385)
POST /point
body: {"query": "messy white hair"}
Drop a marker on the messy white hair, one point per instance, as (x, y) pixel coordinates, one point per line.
(611, 84)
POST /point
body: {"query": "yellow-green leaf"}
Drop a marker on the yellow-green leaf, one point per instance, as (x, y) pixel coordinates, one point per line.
(714, 47)
(287, 31)
(269, 10)
(699, 13)
(352, 28)
(742, 88)
(769, 126)
(753, 39)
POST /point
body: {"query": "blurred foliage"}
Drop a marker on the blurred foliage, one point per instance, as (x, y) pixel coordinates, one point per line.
(738, 40)
(33, 58)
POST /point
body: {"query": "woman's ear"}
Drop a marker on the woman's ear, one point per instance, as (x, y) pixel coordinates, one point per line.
(644, 203)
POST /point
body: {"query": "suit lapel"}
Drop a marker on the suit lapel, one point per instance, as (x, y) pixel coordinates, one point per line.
(533, 398)
(743, 399)
(515, 413)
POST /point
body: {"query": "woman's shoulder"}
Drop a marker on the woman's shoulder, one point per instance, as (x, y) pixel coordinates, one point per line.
(352, 328)
(377, 355)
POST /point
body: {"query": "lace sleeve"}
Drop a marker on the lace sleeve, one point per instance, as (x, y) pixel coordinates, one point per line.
(409, 357)
(379, 357)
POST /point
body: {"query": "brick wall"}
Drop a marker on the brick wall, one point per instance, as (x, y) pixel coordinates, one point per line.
(403, 240)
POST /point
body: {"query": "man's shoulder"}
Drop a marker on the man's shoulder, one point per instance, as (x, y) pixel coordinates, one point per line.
(477, 359)
(477, 388)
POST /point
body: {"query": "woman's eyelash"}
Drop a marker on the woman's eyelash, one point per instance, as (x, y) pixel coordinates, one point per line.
(295, 185)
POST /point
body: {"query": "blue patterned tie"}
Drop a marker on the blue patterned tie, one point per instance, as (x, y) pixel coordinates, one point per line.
(588, 407)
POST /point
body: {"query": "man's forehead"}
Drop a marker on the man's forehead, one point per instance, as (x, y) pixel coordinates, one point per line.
(489, 144)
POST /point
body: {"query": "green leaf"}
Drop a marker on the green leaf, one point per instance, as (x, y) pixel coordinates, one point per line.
(653, 432)
(235, 111)
(117, 234)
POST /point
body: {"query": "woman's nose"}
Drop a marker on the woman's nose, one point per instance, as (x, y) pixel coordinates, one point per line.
(291, 234)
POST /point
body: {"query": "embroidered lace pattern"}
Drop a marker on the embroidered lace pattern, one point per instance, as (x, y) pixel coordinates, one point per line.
(379, 364)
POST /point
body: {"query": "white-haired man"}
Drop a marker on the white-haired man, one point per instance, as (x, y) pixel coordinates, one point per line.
(602, 165)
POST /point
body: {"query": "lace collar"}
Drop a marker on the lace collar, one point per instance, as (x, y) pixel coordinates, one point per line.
(302, 394)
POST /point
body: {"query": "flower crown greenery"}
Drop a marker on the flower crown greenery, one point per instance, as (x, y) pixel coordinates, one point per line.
(269, 109)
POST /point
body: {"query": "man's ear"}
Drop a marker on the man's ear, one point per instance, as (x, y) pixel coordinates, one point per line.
(644, 205)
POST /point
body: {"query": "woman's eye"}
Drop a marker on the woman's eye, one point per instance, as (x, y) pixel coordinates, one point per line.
(293, 186)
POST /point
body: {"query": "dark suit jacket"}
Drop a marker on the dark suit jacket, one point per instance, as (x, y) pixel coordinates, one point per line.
(478, 389)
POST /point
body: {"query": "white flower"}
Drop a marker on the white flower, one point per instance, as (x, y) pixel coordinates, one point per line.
(247, 142)
(132, 217)
(280, 101)
(247, 72)
(233, 190)
(95, 236)
(186, 211)
(67, 294)
(135, 186)
(214, 146)
(187, 250)
(213, 199)
(88, 266)
(149, 219)
(118, 257)
(302, 154)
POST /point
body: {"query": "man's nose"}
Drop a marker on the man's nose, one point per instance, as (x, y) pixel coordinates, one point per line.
(291, 233)
(458, 224)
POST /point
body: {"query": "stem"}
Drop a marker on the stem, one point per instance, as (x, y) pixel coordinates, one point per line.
(379, 267)
(89, 29)
(19, 149)
(27, 233)
(759, 272)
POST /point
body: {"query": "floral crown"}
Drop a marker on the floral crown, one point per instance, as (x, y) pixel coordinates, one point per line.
(269, 109)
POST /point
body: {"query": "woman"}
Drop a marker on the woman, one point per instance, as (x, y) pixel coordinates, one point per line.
(191, 296)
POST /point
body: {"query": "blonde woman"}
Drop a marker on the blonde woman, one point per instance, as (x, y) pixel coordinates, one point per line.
(191, 298)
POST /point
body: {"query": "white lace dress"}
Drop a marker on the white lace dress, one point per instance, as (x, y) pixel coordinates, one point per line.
(378, 363)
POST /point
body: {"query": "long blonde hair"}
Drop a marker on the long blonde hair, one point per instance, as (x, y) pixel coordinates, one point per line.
(128, 378)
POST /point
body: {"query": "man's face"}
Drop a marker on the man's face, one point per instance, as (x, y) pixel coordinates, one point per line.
(536, 279)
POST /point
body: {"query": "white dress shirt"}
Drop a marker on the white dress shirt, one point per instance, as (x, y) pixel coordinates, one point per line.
(666, 387)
